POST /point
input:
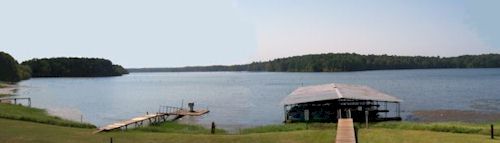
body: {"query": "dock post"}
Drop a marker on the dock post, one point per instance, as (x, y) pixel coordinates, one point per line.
(339, 114)
(213, 128)
(385, 109)
(286, 115)
(15, 101)
(348, 113)
(366, 119)
(356, 133)
(110, 139)
(29, 102)
(492, 132)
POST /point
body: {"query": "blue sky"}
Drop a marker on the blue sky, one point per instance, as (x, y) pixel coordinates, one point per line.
(162, 33)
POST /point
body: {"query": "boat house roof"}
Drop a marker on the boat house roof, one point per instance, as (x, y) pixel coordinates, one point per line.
(336, 91)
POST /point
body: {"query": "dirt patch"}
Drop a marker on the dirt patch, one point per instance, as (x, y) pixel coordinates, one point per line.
(455, 115)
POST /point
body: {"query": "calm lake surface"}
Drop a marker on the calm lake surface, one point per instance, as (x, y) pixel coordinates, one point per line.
(243, 99)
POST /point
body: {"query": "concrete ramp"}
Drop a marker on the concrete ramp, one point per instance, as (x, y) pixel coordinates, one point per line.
(345, 131)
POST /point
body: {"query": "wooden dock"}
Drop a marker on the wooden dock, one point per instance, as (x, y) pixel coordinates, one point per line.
(345, 131)
(166, 113)
(15, 99)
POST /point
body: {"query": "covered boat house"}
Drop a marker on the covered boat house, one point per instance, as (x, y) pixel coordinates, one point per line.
(328, 102)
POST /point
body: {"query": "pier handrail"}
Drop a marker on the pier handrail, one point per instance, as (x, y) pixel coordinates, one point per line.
(169, 109)
(17, 98)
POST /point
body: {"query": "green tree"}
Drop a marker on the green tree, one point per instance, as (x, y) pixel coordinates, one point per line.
(10, 70)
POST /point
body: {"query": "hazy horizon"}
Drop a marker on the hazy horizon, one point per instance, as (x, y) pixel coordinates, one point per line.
(138, 34)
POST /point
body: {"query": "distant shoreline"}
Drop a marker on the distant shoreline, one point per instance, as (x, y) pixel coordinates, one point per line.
(344, 62)
(153, 70)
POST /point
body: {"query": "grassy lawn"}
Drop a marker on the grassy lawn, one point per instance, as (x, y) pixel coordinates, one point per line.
(21, 132)
(290, 127)
(452, 127)
(22, 125)
(19, 112)
(173, 127)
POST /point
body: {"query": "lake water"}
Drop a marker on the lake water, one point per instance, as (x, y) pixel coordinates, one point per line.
(243, 99)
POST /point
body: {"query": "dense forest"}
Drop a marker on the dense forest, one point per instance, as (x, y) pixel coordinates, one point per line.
(11, 70)
(73, 67)
(333, 62)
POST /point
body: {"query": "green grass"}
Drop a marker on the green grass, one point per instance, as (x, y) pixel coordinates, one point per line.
(19, 112)
(452, 127)
(289, 127)
(28, 132)
(174, 127)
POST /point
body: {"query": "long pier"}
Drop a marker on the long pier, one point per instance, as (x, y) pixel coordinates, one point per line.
(166, 113)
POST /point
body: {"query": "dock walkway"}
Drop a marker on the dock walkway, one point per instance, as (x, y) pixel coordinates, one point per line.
(345, 131)
(167, 114)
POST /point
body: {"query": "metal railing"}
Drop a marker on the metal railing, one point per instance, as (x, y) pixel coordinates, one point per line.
(15, 100)
(169, 109)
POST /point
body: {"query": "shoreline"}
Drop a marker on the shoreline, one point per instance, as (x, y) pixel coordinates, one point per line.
(450, 115)
(7, 89)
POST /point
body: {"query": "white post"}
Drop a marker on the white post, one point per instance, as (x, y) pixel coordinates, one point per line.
(366, 118)
(306, 115)
(339, 113)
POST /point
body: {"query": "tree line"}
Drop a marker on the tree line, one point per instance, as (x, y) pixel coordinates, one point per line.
(73, 67)
(12, 71)
(335, 62)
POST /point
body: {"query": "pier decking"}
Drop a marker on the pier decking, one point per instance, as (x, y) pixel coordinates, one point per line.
(166, 113)
(345, 131)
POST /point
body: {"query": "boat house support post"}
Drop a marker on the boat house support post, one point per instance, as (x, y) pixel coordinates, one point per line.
(399, 109)
(385, 109)
(285, 113)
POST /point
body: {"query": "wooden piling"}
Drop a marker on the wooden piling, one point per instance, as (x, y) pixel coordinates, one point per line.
(213, 128)
(492, 131)
(356, 132)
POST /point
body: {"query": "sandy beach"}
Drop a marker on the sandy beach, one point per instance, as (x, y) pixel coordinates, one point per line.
(7, 89)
